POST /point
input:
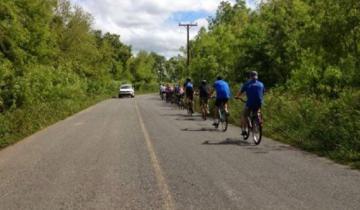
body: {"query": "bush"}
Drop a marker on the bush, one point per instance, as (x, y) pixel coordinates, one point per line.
(325, 126)
(148, 87)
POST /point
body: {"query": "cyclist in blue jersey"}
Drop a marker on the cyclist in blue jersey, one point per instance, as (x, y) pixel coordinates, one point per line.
(223, 94)
(254, 90)
(189, 93)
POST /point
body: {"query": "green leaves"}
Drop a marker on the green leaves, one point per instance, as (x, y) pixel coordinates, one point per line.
(307, 53)
(49, 52)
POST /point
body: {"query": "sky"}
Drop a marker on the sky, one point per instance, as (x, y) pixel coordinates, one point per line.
(151, 25)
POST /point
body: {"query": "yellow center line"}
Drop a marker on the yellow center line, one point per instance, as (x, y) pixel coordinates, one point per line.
(164, 188)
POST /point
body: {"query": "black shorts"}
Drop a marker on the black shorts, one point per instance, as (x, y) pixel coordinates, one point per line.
(189, 94)
(204, 100)
(220, 102)
(190, 97)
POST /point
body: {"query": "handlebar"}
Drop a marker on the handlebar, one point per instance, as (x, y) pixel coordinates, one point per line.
(241, 99)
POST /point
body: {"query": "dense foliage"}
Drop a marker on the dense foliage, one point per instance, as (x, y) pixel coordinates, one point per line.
(52, 63)
(307, 54)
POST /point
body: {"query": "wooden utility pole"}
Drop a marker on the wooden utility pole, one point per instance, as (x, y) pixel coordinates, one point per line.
(188, 26)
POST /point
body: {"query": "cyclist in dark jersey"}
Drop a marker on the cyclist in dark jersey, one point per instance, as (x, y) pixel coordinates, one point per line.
(189, 89)
(204, 94)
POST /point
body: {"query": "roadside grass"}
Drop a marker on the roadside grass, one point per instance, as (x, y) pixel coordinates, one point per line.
(328, 128)
(20, 123)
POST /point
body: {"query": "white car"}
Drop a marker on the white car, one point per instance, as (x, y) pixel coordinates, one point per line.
(126, 90)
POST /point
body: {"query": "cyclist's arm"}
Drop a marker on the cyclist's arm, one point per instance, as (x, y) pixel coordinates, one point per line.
(239, 94)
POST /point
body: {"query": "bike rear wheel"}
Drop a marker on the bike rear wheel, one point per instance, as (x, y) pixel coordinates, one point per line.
(223, 120)
(247, 130)
(256, 131)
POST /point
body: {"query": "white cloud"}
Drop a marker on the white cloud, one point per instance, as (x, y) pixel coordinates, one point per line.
(145, 24)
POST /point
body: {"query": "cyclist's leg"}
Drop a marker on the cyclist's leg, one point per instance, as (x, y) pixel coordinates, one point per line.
(202, 104)
(257, 111)
(206, 106)
(216, 113)
(192, 105)
(244, 116)
(191, 102)
(226, 107)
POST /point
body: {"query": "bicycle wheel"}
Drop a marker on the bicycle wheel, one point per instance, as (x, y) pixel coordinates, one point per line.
(256, 131)
(247, 130)
(223, 120)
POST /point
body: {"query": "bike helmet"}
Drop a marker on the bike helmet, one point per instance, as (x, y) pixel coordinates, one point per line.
(253, 75)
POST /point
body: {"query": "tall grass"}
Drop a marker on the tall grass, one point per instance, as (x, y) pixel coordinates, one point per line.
(328, 127)
(17, 124)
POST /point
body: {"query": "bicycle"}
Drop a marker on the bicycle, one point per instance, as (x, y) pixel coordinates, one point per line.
(254, 125)
(222, 118)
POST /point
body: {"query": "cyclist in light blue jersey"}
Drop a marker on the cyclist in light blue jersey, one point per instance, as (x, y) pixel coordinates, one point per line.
(223, 94)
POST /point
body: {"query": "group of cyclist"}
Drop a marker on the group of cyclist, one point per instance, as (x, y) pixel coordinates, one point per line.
(173, 94)
(253, 89)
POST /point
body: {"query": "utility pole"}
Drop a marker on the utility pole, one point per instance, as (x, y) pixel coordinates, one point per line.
(188, 26)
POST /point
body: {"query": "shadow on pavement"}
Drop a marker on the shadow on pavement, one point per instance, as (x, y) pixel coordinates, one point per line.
(266, 148)
(175, 115)
(228, 141)
(199, 129)
(189, 119)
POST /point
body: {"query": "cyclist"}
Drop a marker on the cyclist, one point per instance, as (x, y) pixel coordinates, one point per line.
(162, 91)
(222, 97)
(168, 93)
(254, 90)
(204, 94)
(181, 96)
(189, 93)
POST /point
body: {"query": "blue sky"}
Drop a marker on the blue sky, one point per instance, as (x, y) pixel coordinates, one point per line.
(188, 16)
(151, 25)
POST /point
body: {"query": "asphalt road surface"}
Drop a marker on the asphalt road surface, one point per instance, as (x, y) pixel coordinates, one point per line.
(144, 154)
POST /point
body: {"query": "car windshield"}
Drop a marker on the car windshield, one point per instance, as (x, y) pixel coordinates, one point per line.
(126, 87)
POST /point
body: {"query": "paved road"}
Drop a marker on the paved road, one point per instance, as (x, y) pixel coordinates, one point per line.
(143, 154)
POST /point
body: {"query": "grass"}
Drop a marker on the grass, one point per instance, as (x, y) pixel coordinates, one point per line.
(20, 123)
(326, 127)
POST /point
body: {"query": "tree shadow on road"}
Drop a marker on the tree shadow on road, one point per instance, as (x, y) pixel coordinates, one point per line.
(228, 141)
(189, 119)
(200, 129)
(257, 149)
(175, 115)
